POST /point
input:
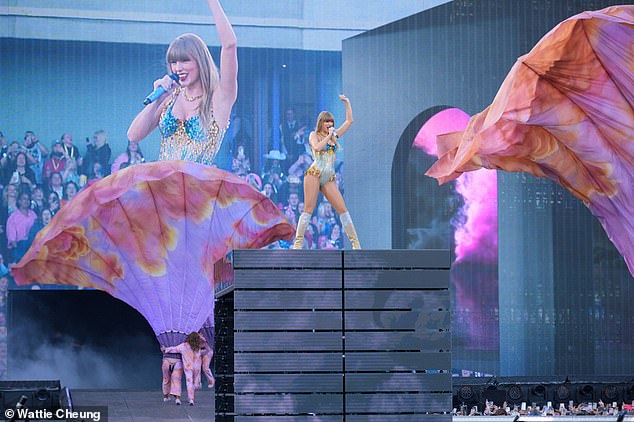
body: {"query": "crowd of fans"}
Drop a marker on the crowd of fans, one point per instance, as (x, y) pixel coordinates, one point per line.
(580, 409)
(37, 180)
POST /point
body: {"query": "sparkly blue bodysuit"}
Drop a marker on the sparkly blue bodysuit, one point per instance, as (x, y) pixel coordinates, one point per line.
(186, 139)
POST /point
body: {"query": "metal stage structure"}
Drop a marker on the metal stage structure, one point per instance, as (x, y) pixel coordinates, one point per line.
(339, 335)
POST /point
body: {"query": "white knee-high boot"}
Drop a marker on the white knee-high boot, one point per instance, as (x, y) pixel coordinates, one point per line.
(348, 227)
(302, 223)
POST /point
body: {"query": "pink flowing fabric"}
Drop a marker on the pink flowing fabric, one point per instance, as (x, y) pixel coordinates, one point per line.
(150, 235)
(565, 112)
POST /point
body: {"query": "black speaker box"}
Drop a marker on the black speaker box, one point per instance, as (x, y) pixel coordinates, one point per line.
(498, 397)
(39, 394)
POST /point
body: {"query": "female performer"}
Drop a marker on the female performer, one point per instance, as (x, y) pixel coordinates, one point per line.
(193, 115)
(320, 176)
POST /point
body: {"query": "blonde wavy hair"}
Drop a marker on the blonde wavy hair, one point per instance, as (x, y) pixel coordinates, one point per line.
(324, 116)
(191, 46)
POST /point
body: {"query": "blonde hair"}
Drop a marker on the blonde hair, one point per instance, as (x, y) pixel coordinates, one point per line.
(191, 46)
(324, 116)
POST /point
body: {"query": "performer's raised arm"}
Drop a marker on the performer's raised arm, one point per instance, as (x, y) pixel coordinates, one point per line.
(348, 122)
(228, 89)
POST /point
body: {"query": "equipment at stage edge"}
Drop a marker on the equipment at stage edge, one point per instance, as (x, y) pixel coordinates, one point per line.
(468, 391)
(34, 395)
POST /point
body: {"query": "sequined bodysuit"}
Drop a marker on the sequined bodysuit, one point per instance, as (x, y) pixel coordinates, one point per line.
(324, 164)
(186, 140)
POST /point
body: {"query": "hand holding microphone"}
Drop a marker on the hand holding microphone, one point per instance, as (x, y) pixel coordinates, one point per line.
(333, 134)
(161, 86)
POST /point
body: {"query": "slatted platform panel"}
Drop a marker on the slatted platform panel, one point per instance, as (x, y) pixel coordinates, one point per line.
(223, 360)
(397, 335)
(336, 336)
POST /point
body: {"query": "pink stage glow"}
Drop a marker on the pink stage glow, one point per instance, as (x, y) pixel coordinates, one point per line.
(476, 232)
(477, 235)
(446, 121)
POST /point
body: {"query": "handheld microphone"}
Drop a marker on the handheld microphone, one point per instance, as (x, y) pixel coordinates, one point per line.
(154, 95)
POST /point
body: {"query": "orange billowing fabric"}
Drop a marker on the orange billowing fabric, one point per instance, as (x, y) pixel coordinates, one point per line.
(566, 112)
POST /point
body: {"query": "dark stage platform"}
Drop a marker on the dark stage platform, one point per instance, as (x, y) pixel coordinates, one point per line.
(146, 406)
(335, 336)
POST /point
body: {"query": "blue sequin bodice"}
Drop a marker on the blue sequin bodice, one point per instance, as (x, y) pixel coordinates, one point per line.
(330, 147)
(186, 139)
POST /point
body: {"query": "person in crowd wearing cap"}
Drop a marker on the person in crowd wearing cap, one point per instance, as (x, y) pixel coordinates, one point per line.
(36, 152)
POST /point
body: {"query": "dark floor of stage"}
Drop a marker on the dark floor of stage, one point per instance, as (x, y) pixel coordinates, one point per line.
(146, 406)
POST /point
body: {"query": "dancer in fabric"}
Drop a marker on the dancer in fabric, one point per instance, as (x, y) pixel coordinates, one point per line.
(206, 367)
(191, 351)
(172, 368)
(320, 176)
(207, 332)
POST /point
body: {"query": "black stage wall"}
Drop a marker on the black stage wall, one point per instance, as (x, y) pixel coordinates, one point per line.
(563, 301)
